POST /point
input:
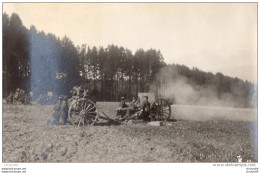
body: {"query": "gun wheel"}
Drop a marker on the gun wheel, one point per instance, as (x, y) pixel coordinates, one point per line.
(160, 110)
(83, 112)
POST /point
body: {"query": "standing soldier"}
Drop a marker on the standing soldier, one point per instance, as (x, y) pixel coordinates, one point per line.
(145, 108)
(63, 112)
(60, 111)
(56, 110)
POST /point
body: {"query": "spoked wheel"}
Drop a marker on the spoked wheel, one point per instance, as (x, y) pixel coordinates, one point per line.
(83, 112)
(160, 110)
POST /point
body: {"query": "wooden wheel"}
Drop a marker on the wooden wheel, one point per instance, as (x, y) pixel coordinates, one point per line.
(160, 110)
(82, 112)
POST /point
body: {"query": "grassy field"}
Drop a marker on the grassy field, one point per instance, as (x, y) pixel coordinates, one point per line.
(212, 135)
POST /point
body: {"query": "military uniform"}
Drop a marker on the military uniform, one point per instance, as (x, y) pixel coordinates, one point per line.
(10, 98)
(63, 114)
(122, 108)
(73, 92)
(16, 94)
(56, 111)
(123, 105)
(60, 113)
(85, 93)
(135, 104)
(145, 108)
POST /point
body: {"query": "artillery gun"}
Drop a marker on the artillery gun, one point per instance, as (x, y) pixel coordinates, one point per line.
(20, 97)
(160, 109)
(83, 111)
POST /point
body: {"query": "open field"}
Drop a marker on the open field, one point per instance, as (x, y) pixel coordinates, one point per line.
(198, 134)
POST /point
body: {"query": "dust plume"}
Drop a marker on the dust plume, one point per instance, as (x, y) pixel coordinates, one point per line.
(207, 101)
(179, 89)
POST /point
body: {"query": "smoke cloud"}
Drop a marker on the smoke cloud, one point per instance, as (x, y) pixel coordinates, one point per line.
(180, 90)
(200, 103)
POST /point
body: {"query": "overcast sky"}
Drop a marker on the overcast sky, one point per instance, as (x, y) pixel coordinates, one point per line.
(215, 37)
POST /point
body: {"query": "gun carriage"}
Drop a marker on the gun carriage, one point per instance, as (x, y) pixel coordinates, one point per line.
(83, 111)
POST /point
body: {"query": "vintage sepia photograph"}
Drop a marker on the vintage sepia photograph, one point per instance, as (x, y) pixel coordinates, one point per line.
(129, 82)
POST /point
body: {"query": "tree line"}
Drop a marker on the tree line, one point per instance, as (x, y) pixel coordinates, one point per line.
(40, 62)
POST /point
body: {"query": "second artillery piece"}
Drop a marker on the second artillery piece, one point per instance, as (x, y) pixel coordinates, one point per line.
(159, 109)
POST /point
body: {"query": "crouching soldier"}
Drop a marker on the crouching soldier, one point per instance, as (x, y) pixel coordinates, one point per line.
(9, 99)
(145, 109)
(60, 112)
(122, 108)
(135, 104)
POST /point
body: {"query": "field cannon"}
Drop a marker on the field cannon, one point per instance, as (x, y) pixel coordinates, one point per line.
(83, 111)
(160, 109)
(19, 97)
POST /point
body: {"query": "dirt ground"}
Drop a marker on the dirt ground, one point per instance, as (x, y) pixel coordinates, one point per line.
(26, 138)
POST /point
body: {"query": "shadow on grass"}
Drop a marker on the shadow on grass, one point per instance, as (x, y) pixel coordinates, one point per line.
(108, 123)
(172, 120)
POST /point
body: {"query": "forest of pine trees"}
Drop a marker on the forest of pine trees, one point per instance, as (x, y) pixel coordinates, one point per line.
(40, 62)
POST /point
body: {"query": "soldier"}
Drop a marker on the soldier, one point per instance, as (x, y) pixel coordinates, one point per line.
(56, 111)
(27, 99)
(80, 91)
(16, 95)
(63, 112)
(122, 104)
(9, 99)
(85, 93)
(73, 92)
(133, 107)
(60, 112)
(145, 108)
(22, 96)
(135, 104)
(124, 107)
(138, 104)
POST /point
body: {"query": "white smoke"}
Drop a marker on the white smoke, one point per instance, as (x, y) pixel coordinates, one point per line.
(171, 85)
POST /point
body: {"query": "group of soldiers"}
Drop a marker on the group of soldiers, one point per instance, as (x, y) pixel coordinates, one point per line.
(133, 107)
(60, 111)
(79, 91)
(19, 96)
